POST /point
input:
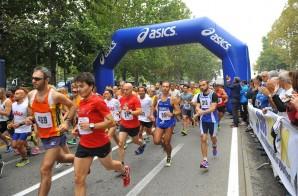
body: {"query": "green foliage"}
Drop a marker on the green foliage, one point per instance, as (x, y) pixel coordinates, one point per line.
(280, 47)
(67, 35)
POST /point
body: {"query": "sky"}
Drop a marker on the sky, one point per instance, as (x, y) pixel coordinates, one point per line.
(247, 20)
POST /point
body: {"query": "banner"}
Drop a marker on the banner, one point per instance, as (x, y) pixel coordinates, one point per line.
(284, 157)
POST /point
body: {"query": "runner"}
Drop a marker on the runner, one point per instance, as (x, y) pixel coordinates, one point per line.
(222, 101)
(44, 101)
(2, 164)
(21, 131)
(93, 118)
(146, 118)
(186, 107)
(206, 109)
(129, 124)
(167, 107)
(5, 110)
(114, 106)
(76, 100)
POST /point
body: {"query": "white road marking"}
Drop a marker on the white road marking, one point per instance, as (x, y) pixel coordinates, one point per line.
(233, 184)
(57, 176)
(141, 185)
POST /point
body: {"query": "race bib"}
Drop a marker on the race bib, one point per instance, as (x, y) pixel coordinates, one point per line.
(126, 115)
(163, 116)
(82, 131)
(219, 100)
(43, 120)
(143, 114)
(258, 103)
(186, 106)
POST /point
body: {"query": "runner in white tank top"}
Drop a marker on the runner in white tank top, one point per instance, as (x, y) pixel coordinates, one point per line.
(22, 131)
(5, 109)
(114, 106)
(146, 118)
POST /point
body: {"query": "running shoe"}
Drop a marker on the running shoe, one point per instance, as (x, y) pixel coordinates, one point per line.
(183, 132)
(72, 142)
(8, 149)
(1, 167)
(140, 149)
(214, 150)
(126, 176)
(168, 162)
(204, 164)
(147, 139)
(58, 165)
(22, 163)
(35, 151)
(16, 152)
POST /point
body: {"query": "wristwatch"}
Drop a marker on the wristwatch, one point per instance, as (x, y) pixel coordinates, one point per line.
(91, 126)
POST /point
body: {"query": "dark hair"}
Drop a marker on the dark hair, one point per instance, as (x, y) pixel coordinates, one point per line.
(244, 82)
(207, 81)
(46, 72)
(22, 88)
(294, 78)
(185, 85)
(86, 77)
(110, 91)
(143, 88)
(236, 80)
(258, 77)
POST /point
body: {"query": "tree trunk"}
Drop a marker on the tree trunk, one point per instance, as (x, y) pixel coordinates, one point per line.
(53, 62)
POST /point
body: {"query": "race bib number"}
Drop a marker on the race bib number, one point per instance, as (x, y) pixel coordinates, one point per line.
(126, 115)
(205, 104)
(116, 116)
(143, 114)
(163, 115)
(219, 100)
(43, 120)
(258, 103)
(186, 106)
(82, 131)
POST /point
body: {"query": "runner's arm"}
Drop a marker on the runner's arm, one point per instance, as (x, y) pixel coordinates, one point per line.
(7, 110)
(176, 106)
(62, 99)
(107, 123)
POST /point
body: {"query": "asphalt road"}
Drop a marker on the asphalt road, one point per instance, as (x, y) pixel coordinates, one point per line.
(150, 177)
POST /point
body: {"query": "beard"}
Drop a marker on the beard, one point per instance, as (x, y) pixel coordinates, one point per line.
(41, 86)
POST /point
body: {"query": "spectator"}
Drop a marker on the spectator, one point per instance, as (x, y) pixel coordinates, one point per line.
(292, 109)
(265, 77)
(285, 82)
(244, 102)
(235, 98)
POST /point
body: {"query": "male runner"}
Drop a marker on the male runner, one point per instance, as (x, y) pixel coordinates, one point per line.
(167, 107)
(94, 117)
(44, 103)
(186, 106)
(114, 106)
(146, 117)
(129, 124)
(206, 109)
(21, 131)
(5, 109)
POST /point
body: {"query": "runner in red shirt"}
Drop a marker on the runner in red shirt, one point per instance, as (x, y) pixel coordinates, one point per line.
(93, 118)
(130, 107)
(222, 100)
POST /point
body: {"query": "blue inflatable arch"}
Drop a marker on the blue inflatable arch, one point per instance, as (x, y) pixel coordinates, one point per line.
(232, 52)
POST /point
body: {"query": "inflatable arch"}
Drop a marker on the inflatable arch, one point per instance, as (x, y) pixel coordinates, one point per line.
(232, 52)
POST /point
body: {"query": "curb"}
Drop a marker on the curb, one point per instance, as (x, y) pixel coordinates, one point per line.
(247, 178)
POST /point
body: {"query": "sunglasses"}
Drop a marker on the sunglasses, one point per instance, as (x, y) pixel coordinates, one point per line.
(36, 78)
